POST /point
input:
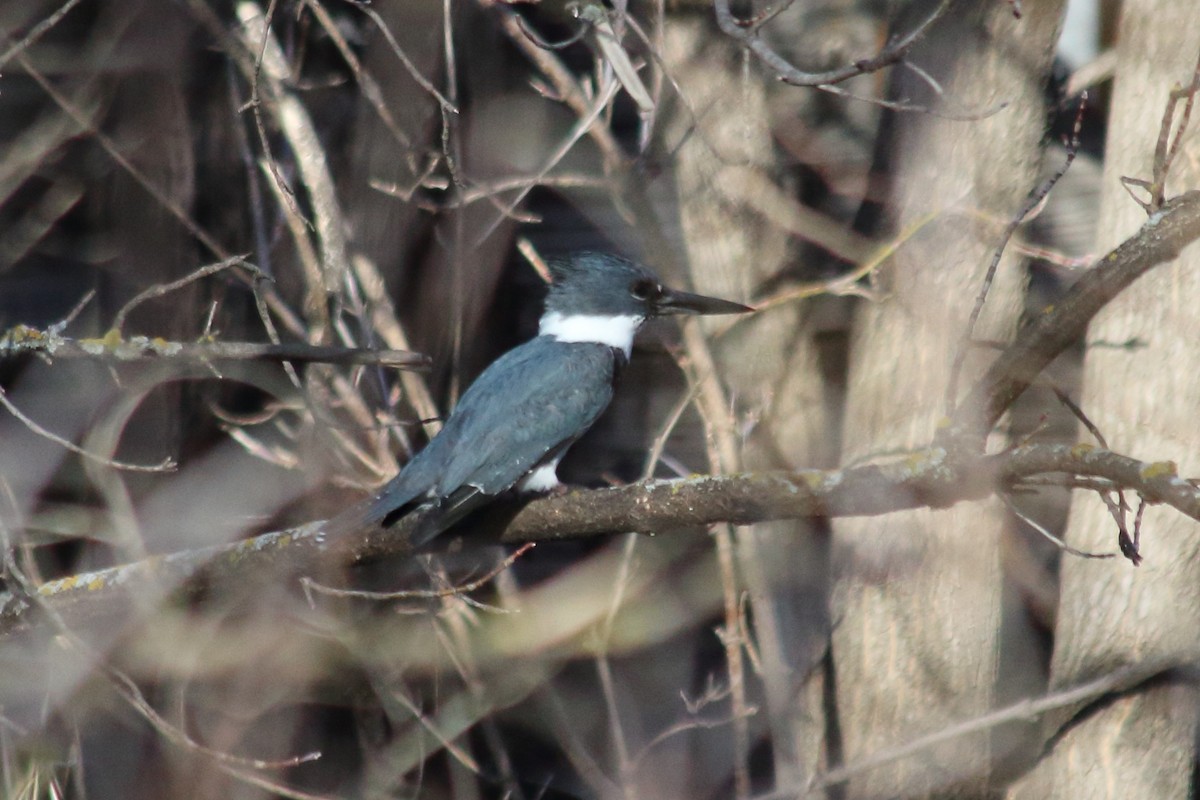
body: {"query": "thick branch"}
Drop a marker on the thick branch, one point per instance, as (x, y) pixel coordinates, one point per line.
(924, 479)
(1160, 240)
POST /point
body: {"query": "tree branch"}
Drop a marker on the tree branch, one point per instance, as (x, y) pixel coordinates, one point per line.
(23, 339)
(924, 479)
(1125, 679)
(1160, 240)
(746, 34)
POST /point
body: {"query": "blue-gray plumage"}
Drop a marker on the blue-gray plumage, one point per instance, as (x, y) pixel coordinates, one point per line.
(517, 419)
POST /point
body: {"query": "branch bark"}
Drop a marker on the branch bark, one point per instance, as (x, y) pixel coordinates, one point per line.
(746, 33)
(924, 479)
(1158, 241)
(23, 339)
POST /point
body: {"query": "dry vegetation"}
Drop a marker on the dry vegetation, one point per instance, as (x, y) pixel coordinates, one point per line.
(923, 526)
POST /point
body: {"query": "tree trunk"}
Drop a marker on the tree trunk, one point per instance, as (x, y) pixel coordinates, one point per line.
(732, 248)
(1144, 401)
(917, 597)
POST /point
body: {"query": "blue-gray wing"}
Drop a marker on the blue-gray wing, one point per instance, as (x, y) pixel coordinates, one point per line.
(530, 404)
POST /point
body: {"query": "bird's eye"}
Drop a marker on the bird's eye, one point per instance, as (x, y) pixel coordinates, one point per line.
(644, 289)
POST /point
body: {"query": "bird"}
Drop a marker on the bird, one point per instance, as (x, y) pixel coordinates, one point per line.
(518, 418)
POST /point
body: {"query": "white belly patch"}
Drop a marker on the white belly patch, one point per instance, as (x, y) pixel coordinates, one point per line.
(540, 479)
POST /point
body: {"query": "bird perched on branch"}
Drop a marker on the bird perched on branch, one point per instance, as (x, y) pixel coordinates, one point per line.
(515, 422)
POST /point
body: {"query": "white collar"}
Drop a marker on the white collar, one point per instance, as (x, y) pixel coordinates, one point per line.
(613, 330)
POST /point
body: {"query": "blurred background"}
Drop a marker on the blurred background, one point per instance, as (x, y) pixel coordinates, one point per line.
(391, 175)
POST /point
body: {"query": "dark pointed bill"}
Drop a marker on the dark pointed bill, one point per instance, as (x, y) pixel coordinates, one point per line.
(672, 301)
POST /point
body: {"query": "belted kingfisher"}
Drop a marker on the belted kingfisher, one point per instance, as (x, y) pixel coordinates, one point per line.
(515, 422)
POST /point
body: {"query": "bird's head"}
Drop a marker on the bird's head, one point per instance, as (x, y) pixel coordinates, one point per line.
(602, 284)
(600, 297)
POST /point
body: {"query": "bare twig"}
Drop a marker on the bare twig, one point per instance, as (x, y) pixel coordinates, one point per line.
(585, 123)
(420, 594)
(415, 73)
(385, 320)
(366, 81)
(563, 81)
(431, 725)
(166, 465)
(1099, 70)
(534, 258)
(609, 42)
(263, 294)
(724, 457)
(176, 736)
(546, 44)
(296, 125)
(894, 51)
(1036, 198)
(750, 186)
(683, 727)
(488, 190)
(1159, 240)
(37, 32)
(1050, 537)
(1119, 509)
(1079, 414)
(959, 113)
(850, 283)
(162, 289)
(250, 14)
(1031, 709)
(1168, 145)
(659, 443)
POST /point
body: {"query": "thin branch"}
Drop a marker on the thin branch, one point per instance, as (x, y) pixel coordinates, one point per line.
(562, 79)
(655, 453)
(420, 594)
(724, 457)
(297, 127)
(386, 322)
(1050, 537)
(488, 190)
(37, 32)
(894, 51)
(534, 258)
(1100, 69)
(578, 130)
(963, 114)
(162, 289)
(415, 73)
(1160, 239)
(1121, 680)
(847, 284)
(1167, 147)
(609, 42)
(133, 695)
(683, 727)
(546, 44)
(166, 465)
(22, 339)
(366, 81)
(1119, 510)
(1036, 198)
(264, 294)
(1079, 414)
